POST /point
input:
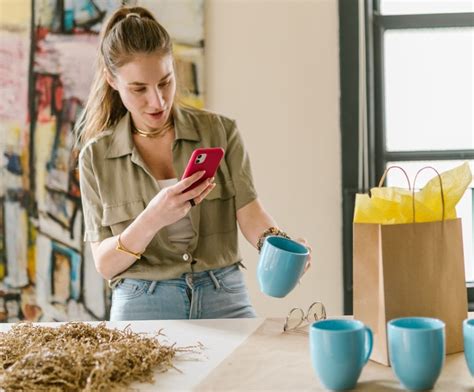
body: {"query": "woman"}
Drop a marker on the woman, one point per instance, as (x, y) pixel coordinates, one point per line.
(168, 254)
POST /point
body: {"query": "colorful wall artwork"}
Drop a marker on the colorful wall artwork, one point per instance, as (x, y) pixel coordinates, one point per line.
(47, 55)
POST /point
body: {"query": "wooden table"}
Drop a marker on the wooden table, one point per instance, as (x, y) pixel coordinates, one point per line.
(256, 355)
(271, 360)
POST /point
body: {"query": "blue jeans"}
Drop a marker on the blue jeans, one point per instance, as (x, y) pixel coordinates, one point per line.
(219, 293)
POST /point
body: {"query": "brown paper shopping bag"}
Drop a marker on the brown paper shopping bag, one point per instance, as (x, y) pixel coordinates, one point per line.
(410, 269)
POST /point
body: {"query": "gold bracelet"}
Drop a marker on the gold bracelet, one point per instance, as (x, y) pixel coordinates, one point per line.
(270, 231)
(123, 249)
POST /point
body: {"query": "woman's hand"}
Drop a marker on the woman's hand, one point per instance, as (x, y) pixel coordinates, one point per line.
(171, 204)
(303, 241)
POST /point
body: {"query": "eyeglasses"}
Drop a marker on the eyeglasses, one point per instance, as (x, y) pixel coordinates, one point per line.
(297, 316)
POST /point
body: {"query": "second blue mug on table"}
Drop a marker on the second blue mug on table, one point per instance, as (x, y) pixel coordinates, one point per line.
(417, 348)
(281, 265)
(339, 350)
(468, 331)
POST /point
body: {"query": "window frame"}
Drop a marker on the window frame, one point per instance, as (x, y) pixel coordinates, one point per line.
(375, 26)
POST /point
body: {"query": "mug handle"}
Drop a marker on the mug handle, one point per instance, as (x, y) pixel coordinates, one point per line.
(369, 344)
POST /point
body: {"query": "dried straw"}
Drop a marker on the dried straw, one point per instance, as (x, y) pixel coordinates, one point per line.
(80, 357)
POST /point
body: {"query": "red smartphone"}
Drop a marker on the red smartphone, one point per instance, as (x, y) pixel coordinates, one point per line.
(207, 159)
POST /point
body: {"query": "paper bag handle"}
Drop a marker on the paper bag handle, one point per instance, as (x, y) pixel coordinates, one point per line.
(392, 167)
(440, 187)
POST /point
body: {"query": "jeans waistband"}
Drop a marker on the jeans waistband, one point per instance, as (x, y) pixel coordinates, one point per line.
(193, 278)
(190, 278)
(218, 272)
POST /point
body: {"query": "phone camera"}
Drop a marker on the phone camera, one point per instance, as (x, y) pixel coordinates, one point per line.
(200, 158)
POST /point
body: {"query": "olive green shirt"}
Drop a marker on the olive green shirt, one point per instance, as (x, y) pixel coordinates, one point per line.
(116, 185)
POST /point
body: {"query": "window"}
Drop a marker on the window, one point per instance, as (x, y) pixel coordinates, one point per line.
(403, 7)
(428, 84)
(418, 60)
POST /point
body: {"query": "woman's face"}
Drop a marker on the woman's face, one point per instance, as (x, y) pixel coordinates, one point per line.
(147, 86)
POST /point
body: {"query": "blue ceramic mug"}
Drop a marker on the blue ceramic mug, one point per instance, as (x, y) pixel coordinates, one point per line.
(281, 265)
(417, 349)
(339, 350)
(468, 330)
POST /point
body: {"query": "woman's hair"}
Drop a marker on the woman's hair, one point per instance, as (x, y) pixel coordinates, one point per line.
(128, 32)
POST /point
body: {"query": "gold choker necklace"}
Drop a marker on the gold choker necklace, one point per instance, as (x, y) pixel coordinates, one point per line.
(152, 134)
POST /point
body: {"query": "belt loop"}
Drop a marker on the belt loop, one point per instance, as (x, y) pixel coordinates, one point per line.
(152, 287)
(189, 280)
(214, 280)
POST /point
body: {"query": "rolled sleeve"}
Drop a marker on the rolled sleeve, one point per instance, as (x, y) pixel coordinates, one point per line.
(91, 202)
(239, 165)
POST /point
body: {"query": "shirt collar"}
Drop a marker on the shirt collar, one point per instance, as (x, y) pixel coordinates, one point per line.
(122, 142)
(184, 126)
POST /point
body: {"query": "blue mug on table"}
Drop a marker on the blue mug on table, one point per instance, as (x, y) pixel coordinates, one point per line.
(417, 348)
(339, 350)
(281, 265)
(468, 330)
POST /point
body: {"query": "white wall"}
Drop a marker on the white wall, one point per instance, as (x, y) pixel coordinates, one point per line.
(273, 65)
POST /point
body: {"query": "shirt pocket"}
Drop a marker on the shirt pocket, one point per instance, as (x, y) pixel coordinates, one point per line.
(218, 210)
(119, 216)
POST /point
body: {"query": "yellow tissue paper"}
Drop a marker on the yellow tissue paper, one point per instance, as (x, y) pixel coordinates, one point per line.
(391, 205)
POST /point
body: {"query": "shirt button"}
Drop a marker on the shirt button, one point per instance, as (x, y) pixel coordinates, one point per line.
(186, 257)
